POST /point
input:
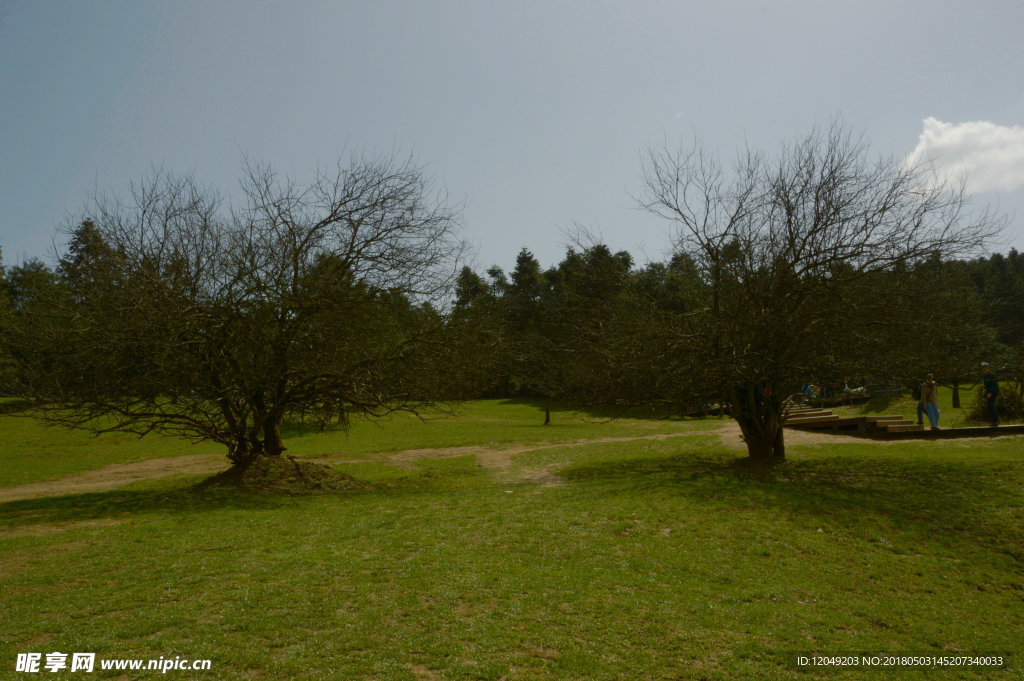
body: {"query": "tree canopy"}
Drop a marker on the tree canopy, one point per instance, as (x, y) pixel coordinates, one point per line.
(811, 265)
(313, 301)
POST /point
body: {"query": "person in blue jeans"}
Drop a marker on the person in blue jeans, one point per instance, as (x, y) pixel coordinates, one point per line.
(930, 401)
(920, 404)
(991, 390)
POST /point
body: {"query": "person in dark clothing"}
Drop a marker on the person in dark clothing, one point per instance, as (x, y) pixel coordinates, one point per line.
(991, 392)
(915, 389)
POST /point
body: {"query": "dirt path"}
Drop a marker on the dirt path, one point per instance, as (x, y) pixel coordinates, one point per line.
(115, 476)
(733, 438)
(118, 475)
(498, 459)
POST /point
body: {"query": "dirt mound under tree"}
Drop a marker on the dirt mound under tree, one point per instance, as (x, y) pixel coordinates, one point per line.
(285, 474)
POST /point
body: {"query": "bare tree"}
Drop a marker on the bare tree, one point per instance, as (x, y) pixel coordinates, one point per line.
(802, 259)
(309, 301)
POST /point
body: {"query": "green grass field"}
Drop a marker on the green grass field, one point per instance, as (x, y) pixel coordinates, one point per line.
(590, 549)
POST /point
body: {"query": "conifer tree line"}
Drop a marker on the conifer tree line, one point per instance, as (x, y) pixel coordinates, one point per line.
(537, 328)
(172, 311)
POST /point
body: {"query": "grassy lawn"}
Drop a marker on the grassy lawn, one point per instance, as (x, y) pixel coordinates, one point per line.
(32, 451)
(631, 559)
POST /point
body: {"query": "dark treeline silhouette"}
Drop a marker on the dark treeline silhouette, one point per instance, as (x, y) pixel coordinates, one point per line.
(560, 332)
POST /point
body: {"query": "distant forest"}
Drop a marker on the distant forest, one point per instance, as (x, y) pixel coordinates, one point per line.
(519, 315)
(982, 301)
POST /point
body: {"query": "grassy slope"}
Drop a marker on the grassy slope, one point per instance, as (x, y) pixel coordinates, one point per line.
(484, 422)
(31, 451)
(654, 560)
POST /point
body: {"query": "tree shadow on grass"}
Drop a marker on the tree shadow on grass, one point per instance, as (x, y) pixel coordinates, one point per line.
(880, 404)
(14, 405)
(608, 412)
(952, 502)
(187, 498)
(102, 505)
(180, 501)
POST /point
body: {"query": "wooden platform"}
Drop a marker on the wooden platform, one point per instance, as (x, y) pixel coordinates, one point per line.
(886, 427)
(951, 433)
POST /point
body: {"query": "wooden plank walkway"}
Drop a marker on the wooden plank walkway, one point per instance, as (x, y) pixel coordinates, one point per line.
(886, 427)
(952, 433)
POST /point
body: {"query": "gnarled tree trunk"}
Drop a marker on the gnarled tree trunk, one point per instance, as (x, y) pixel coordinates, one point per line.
(273, 444)
(759, 414)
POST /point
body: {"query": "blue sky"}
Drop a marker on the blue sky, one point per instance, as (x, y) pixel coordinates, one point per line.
(533, 114)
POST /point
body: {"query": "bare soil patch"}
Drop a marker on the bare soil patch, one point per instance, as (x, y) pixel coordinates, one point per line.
(732, 437)
(285, 474)
(118, 475)
(496, 458)
(115, 476)
(489, 457)
(294, 475)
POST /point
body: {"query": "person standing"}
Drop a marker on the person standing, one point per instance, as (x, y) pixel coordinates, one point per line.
(991, 390)
(917, 386)
(930, 401)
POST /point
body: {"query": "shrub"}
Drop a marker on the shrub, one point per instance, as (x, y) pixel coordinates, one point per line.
(1010, 404)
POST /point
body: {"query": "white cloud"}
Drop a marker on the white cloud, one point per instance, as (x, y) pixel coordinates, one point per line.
(991, 155)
